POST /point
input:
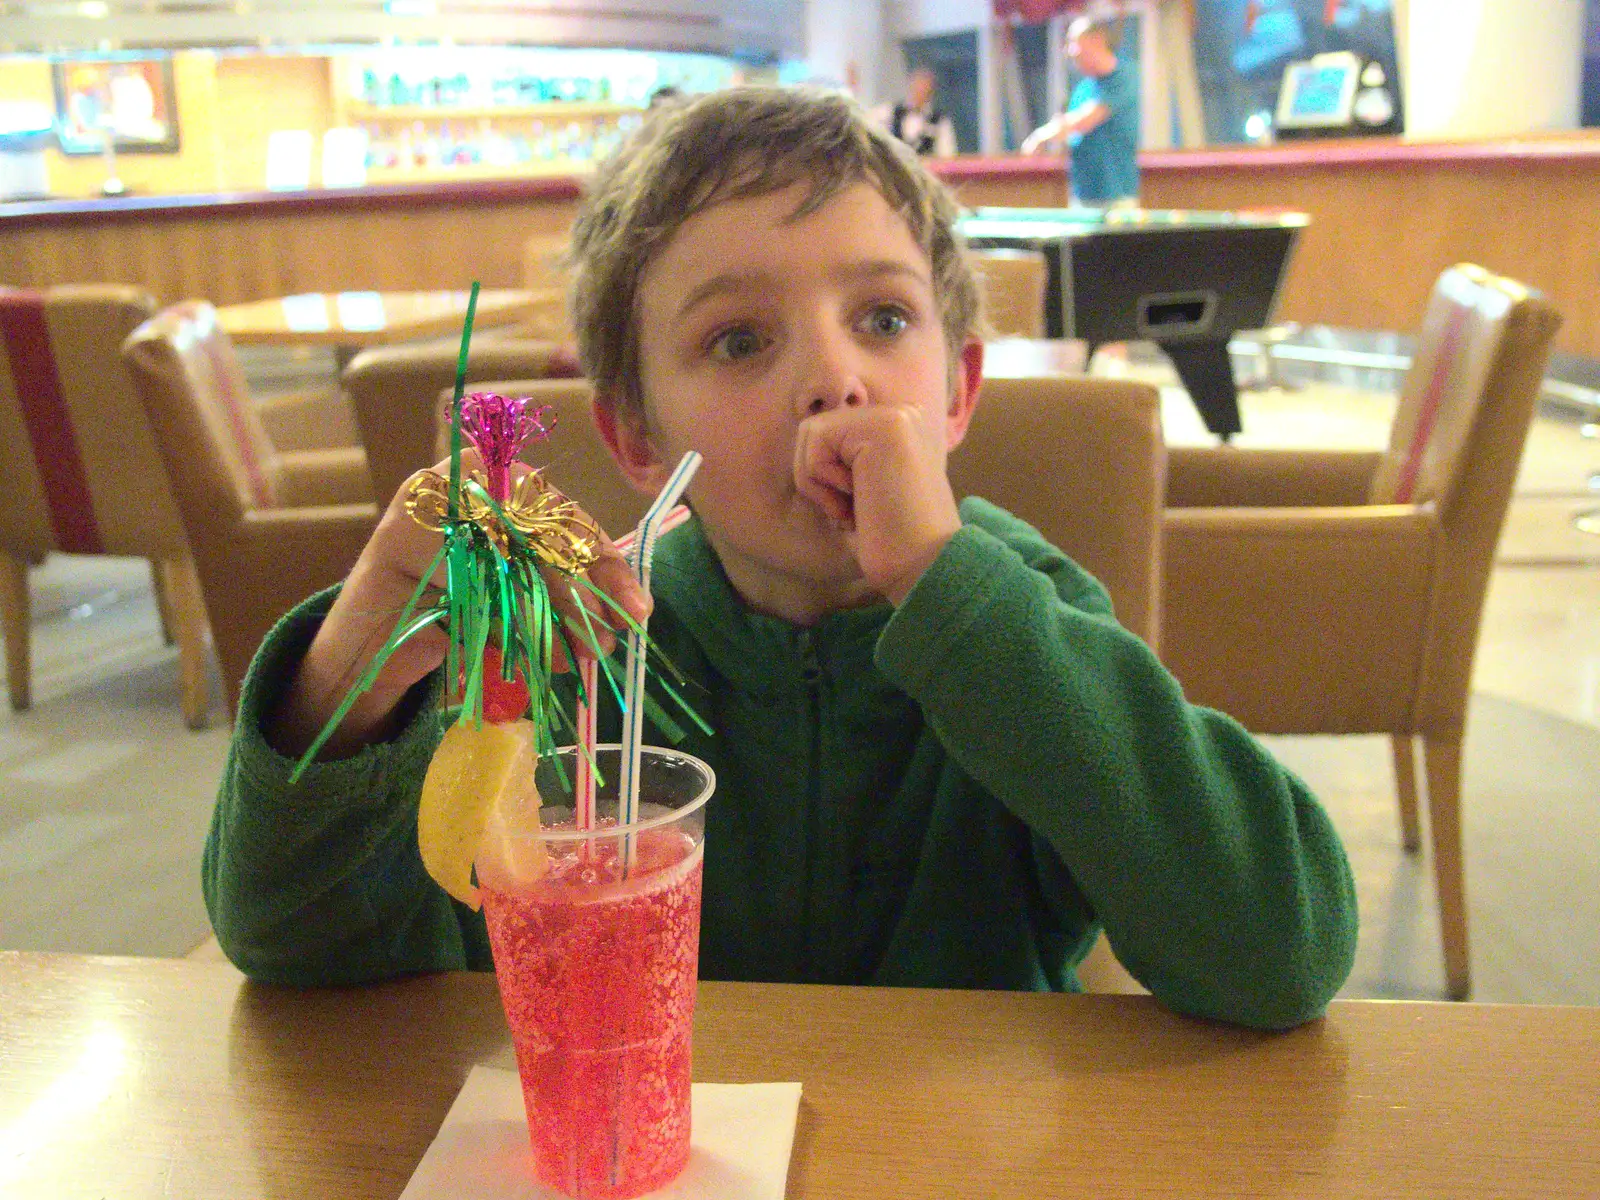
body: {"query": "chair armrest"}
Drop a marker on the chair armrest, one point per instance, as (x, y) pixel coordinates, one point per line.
(299, 550)
(309, 420)
(1224, 477)
(1303, 620)
(1413, 524)
(317, 477)
(321, 520)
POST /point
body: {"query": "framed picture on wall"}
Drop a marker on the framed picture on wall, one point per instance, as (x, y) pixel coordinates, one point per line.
(134, 99)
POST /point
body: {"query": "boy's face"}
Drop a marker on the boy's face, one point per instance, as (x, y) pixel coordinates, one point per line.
(751, 322)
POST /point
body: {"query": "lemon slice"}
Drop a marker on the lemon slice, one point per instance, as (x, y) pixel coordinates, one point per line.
(475, 771)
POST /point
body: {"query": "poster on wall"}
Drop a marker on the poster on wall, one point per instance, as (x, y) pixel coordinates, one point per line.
(1271, 68)
(1591, 64)
(134, 100)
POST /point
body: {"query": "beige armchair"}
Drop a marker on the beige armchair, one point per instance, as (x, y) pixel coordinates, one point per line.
(395, 391)
(1083, 462)
(314, 419)
(1331, 592)
(85, 474)
(1012, 284)
(545, 277)
(266, 529)
(1091, 481)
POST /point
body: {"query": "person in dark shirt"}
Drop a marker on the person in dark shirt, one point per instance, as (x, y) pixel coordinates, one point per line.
(917, 121)
(1101, 122)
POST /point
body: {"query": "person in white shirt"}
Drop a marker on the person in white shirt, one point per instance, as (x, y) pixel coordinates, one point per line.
(916, 121)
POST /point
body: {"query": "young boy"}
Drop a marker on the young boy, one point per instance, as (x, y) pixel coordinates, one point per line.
(940, 761)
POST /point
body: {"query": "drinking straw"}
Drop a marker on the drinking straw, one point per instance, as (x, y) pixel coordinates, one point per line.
(633, 696)
(589, 672)
(456, 566)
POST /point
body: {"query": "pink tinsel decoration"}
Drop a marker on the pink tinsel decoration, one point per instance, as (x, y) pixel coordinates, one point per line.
(499, 426)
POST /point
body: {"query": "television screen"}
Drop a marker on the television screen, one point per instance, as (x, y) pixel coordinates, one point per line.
(1318, 91)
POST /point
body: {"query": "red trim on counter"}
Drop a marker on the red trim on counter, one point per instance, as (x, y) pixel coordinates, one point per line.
(1361, 152)
(1377, 152)
(373, 199)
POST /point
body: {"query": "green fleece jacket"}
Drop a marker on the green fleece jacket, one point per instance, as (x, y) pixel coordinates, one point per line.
(956, 793)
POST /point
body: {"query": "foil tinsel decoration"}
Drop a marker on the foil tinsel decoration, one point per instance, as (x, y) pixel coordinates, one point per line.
(505, 546)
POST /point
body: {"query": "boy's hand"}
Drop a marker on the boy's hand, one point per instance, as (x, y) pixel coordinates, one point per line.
(364, 614)
(878, 471)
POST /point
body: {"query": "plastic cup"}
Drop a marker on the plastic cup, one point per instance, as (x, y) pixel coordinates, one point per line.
(597, 962)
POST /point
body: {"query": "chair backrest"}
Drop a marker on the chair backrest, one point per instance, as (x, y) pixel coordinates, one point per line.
(1468, 466)
(394, 391)
(193, 385)
(74, 443)
(1082, 461)
(573, 457)
(1012, 284)
(1439, 400)
(254, 561)
(545, 277)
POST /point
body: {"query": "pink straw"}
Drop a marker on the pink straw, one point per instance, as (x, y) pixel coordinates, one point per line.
(583, 796)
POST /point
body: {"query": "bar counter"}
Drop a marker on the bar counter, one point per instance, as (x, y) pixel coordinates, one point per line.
(1387, 216)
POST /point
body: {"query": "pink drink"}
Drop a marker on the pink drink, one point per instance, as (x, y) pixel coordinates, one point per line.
(597, 974)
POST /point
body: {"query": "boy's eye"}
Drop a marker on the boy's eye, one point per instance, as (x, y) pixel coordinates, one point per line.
(734, 344)
(886, 321)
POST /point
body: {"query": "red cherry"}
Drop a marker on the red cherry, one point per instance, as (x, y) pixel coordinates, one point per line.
(503, 699)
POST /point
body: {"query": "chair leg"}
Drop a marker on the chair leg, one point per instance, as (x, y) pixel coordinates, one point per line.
(16, 617)
(189, 617)
(1405, 786)
(158, 584)
(1442, 760)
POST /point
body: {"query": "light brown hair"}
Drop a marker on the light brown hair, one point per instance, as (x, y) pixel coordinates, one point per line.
(1109, 28)
(733, 144)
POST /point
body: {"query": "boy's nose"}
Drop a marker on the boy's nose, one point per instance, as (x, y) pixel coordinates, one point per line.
(829, 379)
(847, 392)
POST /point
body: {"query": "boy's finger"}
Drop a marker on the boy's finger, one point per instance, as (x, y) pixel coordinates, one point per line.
(612, 575)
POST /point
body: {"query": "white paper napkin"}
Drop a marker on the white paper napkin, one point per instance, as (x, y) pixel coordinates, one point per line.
(739, 1149)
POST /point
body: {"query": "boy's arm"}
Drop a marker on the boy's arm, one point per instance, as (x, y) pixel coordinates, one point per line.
(1219, 879)
(320, 882)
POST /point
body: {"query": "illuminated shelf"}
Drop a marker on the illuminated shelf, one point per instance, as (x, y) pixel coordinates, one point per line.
(354, 111)
(475, 171)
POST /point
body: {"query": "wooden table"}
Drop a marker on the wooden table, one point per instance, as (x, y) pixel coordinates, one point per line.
(147, 1077)
(348, 321)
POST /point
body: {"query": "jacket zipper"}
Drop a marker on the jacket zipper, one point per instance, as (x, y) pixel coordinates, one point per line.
(816, 931)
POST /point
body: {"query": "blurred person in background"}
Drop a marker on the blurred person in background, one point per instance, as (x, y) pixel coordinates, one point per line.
(1101, 122)
(916, 121)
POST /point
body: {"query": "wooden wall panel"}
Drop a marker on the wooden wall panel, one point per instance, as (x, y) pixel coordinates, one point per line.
(230, 259)
(1038, 191)
(1378, 238)
(259, 94)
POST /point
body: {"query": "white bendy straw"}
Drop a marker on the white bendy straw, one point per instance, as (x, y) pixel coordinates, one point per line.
(644, 550)
(588, 734)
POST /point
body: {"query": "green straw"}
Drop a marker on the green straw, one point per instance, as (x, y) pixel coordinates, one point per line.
(457, 569)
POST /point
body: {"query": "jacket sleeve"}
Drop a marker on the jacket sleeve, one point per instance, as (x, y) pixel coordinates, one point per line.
(1219, 879)
(320, 882)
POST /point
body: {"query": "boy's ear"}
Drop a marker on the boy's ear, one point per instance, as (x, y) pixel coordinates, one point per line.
(964, 394)
(623, 431)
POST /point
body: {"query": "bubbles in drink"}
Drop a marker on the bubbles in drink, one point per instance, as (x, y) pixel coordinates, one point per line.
(597, 969)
